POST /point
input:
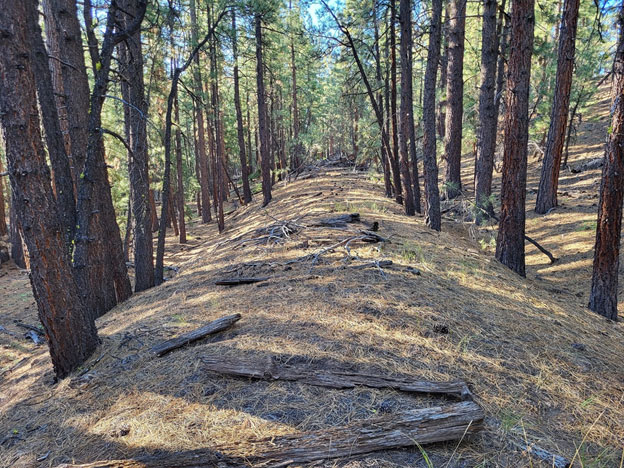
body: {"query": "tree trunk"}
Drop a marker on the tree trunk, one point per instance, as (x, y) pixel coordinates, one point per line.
(430, 165)
(510, 240)
(239, 117)
(199, 116)
(15, 236)
(4, 230)
(180, 173)
(262, 116)
(70, 329)
(396, 163)
(486, 135)
(405, 19)
(385, 163)
(133, 92)
(603, 297)
(455, 97)
(443, 73)
(549, 180)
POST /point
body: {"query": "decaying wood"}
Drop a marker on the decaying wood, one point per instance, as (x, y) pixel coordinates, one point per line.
(216, 326)
(338, 221)
(238, 281)
(263, 369)
(306, 194)
(33, 328)
(419, 426)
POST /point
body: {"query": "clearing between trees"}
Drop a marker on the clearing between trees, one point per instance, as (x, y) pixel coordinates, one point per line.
(377, 293)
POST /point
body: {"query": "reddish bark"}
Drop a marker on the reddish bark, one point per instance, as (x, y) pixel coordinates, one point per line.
(603, 297)
(510, 240)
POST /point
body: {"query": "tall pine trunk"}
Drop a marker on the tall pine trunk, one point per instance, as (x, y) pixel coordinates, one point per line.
(133, 92)
(70, 329)
(180, 198)
(263, 128)
(486, 136)
(405, 19)
(549, 180)
(396, 163)
(201, 129)
(603, 297)
(239, 117)
(455, 97)
(430, 164)
(510, 240)
(4, 230)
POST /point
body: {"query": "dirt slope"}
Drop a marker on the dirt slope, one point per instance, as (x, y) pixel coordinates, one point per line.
(542, 366)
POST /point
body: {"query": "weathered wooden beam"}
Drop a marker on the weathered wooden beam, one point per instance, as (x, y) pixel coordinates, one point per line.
(239, 281)
(213, 327)
(419, 426)
(263, 369)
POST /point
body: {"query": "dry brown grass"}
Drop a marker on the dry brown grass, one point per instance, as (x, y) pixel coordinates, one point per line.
(510, 338)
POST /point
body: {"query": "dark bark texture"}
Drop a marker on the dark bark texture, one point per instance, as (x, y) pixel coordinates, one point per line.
(510, 240)
(430, 164)
(133, 91)
(263, 127)
(603, 297)
(454, 97)
(549, 180)
(486, 135)
(70, 330)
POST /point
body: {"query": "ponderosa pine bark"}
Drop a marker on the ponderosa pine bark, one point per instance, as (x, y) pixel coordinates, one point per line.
(396, 157)
(385, 161)
(430, 164)
(486, 135)
(180, 198)
(239, 116)
(15, 236)
(441, 122)
(4, 230)
(405, 20)
(454, 97)
(70, 329)
(603, 297)
(263, 128)
(135, 111)
(510, 240)
(549, 180)
(503, 33)
(199, 116)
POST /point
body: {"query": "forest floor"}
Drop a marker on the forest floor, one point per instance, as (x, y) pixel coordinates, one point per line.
(543, 367)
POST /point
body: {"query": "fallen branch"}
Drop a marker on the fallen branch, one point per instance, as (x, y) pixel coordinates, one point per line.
(238, 281)
(408, 429)
(262, 369)
(213, 327)
(378, 264)
(338, 221)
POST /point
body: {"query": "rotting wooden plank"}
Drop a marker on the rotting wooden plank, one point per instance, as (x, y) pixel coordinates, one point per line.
(270, 369)
(213, 327)
(238, 281)
(419, 426)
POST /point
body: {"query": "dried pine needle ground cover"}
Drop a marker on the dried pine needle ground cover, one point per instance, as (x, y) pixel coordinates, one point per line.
(542, 366)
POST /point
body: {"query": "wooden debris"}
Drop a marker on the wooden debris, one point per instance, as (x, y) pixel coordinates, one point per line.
(307, 194)
(35, 337)
(273, 370)
(213, 327)
(378, 264)
(338, 221)
(239, 281)
(33, 328)
(407, 429)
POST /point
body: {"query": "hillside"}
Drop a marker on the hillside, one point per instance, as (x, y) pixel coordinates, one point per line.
(544, 369)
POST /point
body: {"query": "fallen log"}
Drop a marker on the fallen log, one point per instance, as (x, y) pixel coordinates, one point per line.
(263, 369)
(338, 221)
(379, 264)
(408, 429)
(239, 281)
(213, 327)
(532, 450)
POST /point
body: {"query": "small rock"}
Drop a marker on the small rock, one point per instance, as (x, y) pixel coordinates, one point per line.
(578, 346)
(441, 329)
(412, 270)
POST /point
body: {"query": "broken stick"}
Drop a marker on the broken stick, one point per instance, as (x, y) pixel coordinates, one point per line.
(408, 429)
(263, 369)
(238, 281)
(213, 327)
